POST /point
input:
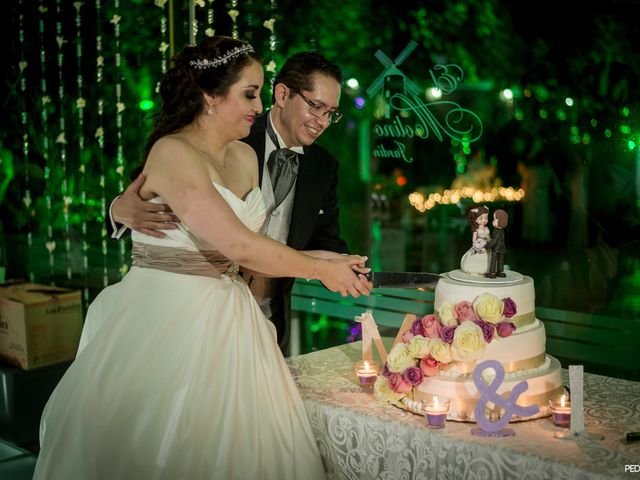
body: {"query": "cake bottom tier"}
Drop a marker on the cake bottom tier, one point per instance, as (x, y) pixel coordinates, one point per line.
(544, 384)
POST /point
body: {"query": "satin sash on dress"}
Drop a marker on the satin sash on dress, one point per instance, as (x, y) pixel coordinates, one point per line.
(187, 262)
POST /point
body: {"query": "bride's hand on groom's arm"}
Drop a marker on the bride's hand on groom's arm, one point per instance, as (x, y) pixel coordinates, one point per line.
(142, 216)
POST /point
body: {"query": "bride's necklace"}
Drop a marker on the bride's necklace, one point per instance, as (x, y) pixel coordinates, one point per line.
(205, 149)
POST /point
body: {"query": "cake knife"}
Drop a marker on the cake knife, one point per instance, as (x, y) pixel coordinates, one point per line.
(402, 279)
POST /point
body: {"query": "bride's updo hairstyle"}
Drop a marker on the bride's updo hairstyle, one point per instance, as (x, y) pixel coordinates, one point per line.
(473, 214)
(211, 66)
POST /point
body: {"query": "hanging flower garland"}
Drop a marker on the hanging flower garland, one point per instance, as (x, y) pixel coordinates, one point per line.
(99, 135)
(164, 43)
(210, 32)
(269, 25)
(233, 13)
(24, 120)
(80, 104)
(62, 141)
(50, 243)
(120, 107)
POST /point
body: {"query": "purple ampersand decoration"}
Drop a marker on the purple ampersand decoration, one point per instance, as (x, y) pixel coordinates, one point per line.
(488, 393)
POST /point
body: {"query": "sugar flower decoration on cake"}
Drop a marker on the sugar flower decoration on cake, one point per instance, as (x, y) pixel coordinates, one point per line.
(488, 307)
(454, 333)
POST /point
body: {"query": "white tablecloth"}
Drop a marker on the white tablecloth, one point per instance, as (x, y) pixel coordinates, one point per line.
(362, 438)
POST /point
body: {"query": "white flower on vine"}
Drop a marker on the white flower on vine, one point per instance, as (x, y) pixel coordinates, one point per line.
(268, 24)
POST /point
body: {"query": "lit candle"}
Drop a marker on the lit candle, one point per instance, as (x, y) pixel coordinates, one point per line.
(561, 411)
(367, 373)
(436, 411)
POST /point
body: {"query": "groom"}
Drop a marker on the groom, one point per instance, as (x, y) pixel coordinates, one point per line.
(298, 179)
(496, 245)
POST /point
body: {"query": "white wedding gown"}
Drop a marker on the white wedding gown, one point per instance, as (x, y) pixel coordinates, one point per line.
(179, 376)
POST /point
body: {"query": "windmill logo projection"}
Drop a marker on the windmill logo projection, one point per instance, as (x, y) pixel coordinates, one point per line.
(407, 115)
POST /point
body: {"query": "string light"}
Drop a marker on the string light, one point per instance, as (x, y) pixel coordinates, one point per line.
(24, 119)
(62, 141)
(453, 196)
(100, 137)
(50, 243)
(120, 107)
(80, 104)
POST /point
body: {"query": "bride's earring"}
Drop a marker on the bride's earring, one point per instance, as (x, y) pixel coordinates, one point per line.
(210, 111)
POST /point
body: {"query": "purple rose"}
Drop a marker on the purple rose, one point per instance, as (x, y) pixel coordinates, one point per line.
(510, 308)
(413, 375)
(385, 370)
(446, 334)
(505, 329)
(416, 327)
(487, 330)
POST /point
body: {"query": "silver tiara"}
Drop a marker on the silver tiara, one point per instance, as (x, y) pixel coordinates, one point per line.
(201, 64)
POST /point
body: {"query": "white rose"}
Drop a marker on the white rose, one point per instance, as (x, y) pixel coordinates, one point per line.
(447, 315)
(488, 307)
(399, 358)
(468, 342)
(440, 350)
(419, 346)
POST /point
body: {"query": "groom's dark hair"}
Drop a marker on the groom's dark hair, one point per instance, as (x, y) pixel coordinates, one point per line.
(503, 218)
(298, 70)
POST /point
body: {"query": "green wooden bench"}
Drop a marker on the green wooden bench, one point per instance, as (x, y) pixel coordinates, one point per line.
(15, 462)
(605, 345)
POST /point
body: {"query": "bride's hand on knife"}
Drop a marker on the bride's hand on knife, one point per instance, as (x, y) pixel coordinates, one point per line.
(344, 274)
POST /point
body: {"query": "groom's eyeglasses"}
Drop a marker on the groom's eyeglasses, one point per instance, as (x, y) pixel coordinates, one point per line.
(319, 110)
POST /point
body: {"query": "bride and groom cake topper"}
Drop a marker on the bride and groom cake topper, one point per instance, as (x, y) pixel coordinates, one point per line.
(486, 255)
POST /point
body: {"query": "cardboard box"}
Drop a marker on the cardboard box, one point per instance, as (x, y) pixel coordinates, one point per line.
(39, 325)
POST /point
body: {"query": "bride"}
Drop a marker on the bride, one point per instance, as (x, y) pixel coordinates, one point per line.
(180, 375)
(476, 259)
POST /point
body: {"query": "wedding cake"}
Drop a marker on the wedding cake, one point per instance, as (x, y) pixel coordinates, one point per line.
(479, 315)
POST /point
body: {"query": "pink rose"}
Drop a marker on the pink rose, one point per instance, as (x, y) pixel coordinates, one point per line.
(413, 375)
(505, 329)
(446, 334)
(398, 384)
(431, 326)
(510, 308)
(464, 311)
(487, 330)
(406, 338)
(416, 327)
(429, 366)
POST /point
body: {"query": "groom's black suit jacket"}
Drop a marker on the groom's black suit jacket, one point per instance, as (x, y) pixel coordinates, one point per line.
(314, 220)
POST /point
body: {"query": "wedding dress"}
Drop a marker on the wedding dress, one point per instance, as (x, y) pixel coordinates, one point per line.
(476, 259)
(179, 376)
